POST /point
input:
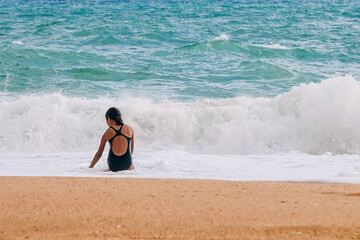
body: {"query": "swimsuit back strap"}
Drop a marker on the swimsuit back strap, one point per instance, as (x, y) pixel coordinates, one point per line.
(118, 132)
(114, 130)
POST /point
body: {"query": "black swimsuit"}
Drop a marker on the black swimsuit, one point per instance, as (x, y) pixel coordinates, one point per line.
(123, 162)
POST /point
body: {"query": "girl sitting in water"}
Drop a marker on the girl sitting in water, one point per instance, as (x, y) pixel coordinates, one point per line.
(121, 139)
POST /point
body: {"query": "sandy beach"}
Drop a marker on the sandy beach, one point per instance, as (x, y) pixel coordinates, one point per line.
(116, 208)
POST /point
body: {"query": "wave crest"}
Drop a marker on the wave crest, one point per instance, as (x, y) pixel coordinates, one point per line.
(312, 118)
(222, 37)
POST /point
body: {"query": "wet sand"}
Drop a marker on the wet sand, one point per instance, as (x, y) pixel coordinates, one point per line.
(117, 208)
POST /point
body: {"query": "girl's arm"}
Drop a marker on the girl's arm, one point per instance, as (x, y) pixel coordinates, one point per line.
(100, 151)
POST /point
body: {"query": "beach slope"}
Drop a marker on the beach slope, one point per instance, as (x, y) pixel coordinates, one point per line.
(117, 208)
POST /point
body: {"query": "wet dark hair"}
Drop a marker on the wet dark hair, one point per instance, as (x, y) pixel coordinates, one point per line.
(114, 114)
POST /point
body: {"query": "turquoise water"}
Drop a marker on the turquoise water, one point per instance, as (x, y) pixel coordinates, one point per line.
(175, 50)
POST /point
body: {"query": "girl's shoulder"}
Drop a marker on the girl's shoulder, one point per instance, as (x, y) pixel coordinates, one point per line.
(128, 129)
(128, 126)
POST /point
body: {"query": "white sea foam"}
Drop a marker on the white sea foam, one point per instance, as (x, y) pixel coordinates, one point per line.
(17, 42)
(222, 36)
(312, 118)
(271, 46)
(291, 166)
(310, 133)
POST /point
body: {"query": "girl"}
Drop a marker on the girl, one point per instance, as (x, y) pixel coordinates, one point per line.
(121, 139)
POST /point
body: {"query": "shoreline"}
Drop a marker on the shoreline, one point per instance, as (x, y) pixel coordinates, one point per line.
(140, 208)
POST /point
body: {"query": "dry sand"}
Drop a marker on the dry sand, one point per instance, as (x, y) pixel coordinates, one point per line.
(116, 208)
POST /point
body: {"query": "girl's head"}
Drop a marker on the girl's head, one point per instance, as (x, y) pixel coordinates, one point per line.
(115, 115)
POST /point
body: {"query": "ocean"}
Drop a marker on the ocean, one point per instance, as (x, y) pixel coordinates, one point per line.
(230, 90)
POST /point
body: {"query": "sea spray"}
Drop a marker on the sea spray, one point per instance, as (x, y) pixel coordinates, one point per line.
(312, 118)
